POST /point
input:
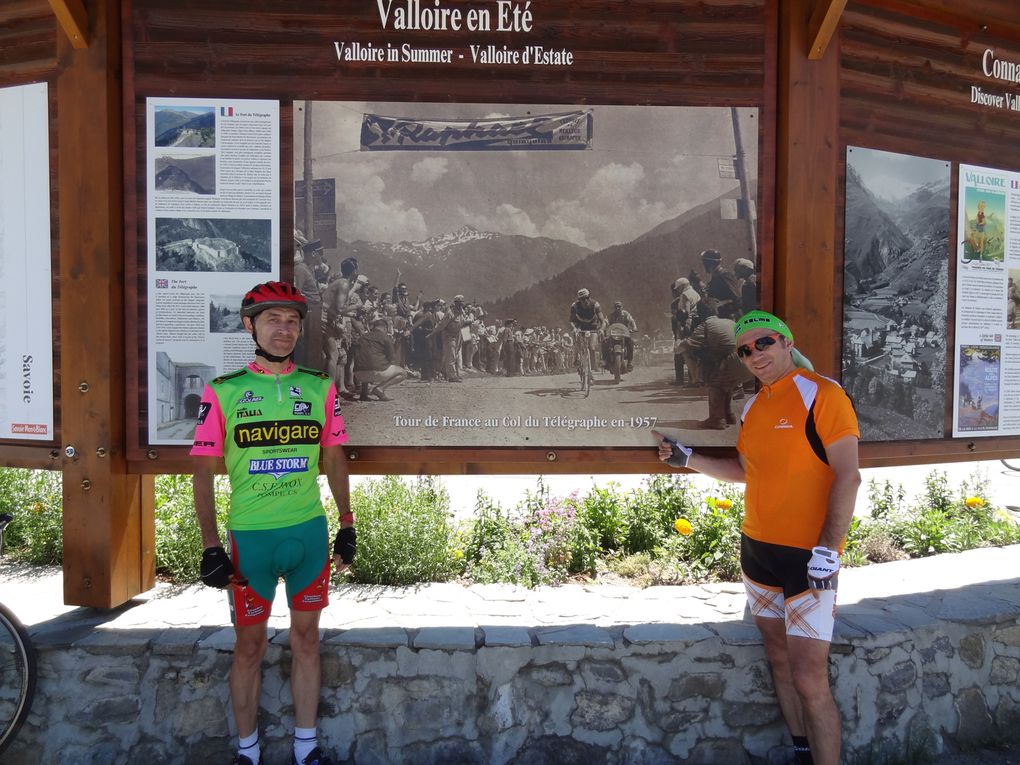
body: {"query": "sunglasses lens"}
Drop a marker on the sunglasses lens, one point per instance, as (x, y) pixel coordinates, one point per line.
(760, 344)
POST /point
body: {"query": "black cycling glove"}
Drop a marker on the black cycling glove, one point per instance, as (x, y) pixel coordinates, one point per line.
(216, 567)
(346, 544)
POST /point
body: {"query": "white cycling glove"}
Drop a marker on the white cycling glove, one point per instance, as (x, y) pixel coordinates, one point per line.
(823, 568)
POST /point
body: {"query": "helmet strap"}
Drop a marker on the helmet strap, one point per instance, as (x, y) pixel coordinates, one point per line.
(269, 356)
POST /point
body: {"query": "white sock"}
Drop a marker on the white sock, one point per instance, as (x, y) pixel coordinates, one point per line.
(305, 741)
(249, 747)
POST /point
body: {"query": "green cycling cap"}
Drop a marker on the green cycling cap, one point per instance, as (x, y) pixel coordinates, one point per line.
(755, 319)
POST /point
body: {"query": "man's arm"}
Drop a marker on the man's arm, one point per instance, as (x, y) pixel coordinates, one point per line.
(334, 464)
(842, 456)
(205, 502)
(729, 469)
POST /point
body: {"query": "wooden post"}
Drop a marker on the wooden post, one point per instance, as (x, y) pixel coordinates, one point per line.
(105, 549)
(808, 284)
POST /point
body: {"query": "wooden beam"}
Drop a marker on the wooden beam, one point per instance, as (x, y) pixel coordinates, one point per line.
(73, 20)
(822, 26)
(106, 539)
(808, 275)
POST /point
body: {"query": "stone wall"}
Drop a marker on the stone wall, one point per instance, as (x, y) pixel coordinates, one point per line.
(907, 679)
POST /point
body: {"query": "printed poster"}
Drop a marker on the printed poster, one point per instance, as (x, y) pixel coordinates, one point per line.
(213, 212)
(895, 293)
(26, 333)
(462, 235)
(987, 383)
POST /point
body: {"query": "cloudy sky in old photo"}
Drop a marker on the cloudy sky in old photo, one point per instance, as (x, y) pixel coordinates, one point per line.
(646, 165)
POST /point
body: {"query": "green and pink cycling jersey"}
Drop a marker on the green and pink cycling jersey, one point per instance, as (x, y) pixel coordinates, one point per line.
(269, 429)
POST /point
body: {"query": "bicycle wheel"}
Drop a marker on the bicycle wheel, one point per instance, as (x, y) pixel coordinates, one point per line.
(17, 676)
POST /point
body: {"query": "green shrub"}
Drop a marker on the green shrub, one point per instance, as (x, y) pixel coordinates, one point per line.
(178, 539)
(649, 513)
(404, 531)
(885, 500)
(711, 549)
(35, 499)
(937, 522)
(541, 541)
(601, 512)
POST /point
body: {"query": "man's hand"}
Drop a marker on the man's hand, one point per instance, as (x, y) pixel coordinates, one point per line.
(672, 452)
(344, 548)
(823, 569)
(216, 568)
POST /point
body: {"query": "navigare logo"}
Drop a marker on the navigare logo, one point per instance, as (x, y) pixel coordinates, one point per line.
(783, 424)
(276, 433)
(278, 466)
(295, 391)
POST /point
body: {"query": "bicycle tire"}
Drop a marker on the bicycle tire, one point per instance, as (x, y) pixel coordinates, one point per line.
(586, 371)
(17, 676)
(1008, 466)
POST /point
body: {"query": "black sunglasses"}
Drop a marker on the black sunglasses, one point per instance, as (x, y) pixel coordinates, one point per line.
(743, 351)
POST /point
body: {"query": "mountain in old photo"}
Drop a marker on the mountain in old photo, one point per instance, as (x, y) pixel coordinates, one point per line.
(638, 273)
(897, 247)
(193, 174)
(535, 279)
(481, 265)
(197, 132)
(895, 314)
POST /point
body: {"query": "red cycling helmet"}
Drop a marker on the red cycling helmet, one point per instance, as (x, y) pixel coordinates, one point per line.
(273, 295)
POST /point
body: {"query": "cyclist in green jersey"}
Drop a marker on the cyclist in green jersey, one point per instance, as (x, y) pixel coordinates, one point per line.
(273, 424)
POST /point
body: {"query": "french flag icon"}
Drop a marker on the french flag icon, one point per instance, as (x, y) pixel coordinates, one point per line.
(226, 111)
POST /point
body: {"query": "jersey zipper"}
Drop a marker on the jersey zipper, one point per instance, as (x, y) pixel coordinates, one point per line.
(279, 390)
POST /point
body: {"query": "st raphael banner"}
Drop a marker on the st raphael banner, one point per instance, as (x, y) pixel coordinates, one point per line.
(571, 131)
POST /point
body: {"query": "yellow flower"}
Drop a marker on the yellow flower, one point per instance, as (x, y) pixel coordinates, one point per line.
(973, 502)
(724, 504)
(682, 526)
(458, 554)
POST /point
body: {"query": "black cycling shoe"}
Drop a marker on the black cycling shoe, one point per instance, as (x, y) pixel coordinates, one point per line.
(315, 757)
(240, 759)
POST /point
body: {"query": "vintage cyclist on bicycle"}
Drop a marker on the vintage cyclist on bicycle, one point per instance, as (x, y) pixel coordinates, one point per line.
(586, 316)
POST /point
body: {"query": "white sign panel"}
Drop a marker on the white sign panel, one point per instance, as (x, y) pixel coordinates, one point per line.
(26, 334)
(987, 383)
(213, 190)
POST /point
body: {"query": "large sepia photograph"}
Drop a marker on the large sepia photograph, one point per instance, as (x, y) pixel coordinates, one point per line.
(895, 289)
(528, 275)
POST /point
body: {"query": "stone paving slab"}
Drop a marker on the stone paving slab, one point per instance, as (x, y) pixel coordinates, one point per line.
(979, 586)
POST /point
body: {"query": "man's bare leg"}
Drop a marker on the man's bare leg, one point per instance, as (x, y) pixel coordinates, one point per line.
(773, 631)
(305, 676)
(246, 676)
(809, 665)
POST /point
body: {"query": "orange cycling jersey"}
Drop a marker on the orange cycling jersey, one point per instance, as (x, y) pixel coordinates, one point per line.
(786, 427)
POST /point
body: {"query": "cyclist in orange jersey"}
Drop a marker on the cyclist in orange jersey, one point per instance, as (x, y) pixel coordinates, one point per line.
(797, 455)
